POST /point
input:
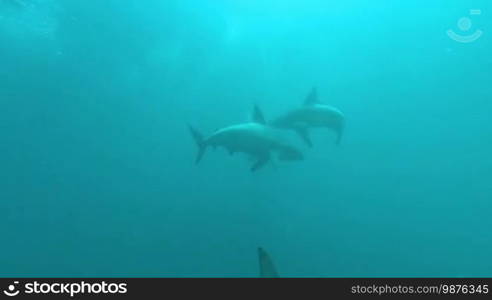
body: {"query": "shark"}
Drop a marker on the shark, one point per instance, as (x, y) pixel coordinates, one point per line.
(313, 114)
(267, 268)
(255, 138)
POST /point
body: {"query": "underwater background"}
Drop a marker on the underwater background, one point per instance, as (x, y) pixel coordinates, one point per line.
(97, 165)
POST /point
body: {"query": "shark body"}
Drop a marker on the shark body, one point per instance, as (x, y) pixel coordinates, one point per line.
(255, 138)
(313, 114)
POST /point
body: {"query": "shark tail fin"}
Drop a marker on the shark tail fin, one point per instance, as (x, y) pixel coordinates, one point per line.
(200, 142)
(267, 268)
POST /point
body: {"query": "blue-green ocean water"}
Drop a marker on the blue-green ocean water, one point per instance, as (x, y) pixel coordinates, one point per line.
(97, 165)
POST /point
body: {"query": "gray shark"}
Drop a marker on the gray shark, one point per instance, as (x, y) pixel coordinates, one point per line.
(312, 114)
(267, 268)
(255, 138)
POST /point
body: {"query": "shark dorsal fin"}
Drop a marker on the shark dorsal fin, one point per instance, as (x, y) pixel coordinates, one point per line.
(267, 269)
(312, 98)
(258, 116)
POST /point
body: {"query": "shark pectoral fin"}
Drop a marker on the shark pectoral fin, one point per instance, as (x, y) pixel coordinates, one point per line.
(339, 138)
(267, 268)
(339, 133)
(260, 163)
(304, 134)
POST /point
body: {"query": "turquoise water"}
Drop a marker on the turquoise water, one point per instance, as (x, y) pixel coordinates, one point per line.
(98, 175)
